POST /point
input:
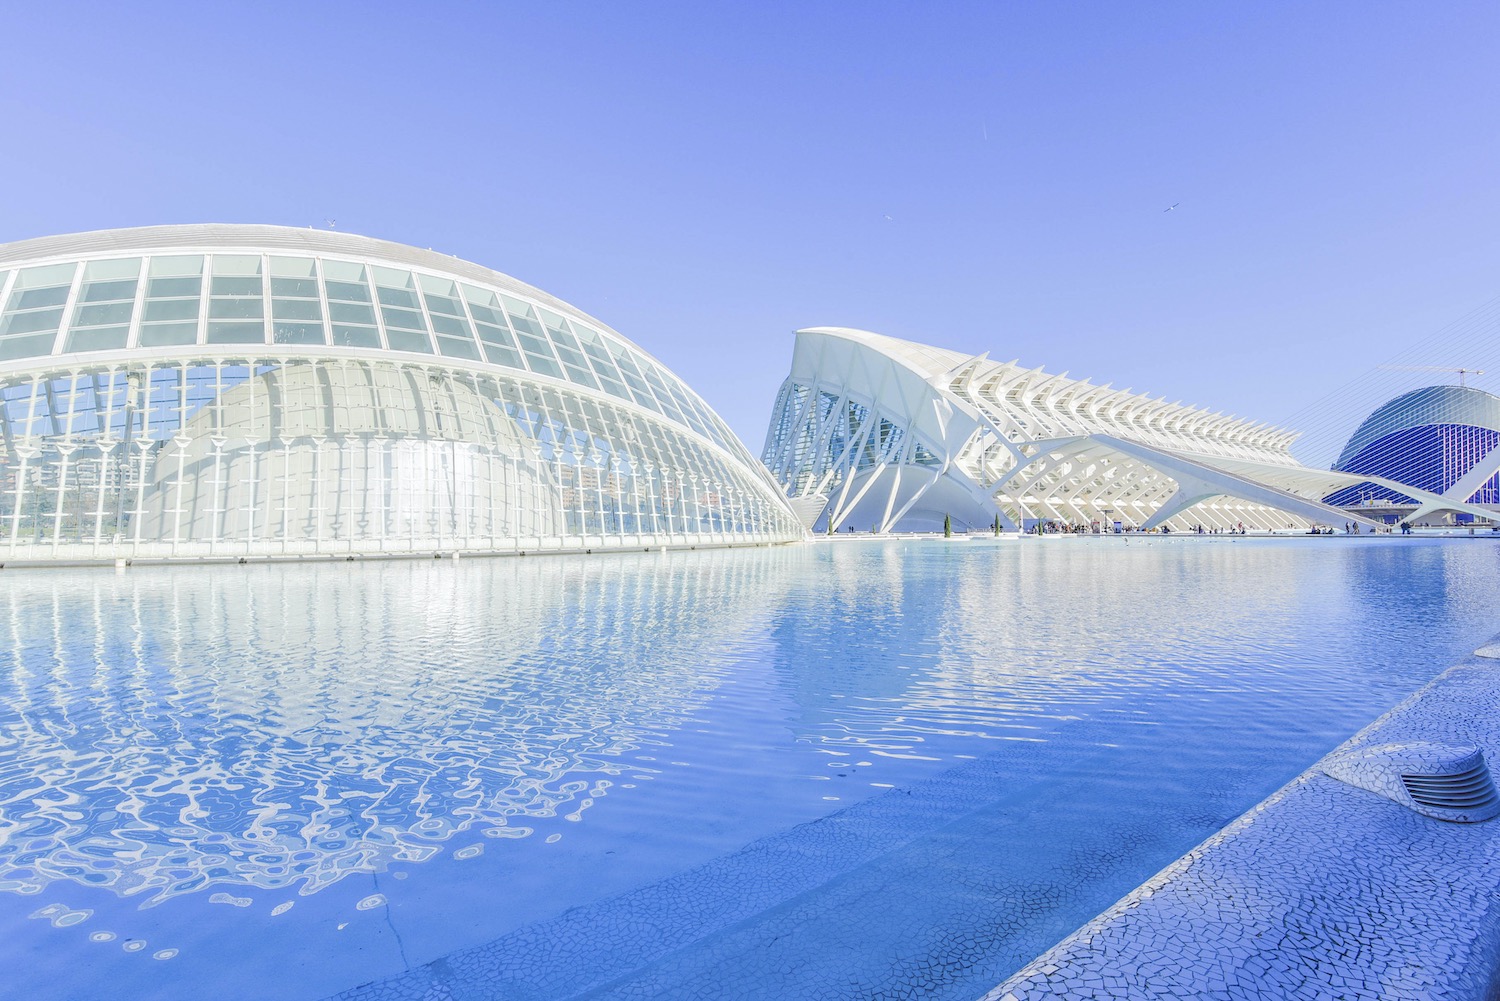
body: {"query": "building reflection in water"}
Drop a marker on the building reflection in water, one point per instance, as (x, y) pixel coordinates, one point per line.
(172, 730)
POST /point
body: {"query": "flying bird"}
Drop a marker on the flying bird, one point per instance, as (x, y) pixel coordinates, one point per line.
(1171, 207)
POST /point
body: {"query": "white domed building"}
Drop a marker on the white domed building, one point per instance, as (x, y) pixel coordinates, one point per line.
(227, 391)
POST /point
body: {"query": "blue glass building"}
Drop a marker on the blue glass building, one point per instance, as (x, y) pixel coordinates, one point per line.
(1438, 439)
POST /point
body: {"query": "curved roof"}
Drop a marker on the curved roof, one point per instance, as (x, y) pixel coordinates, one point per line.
(93, 296)
(1422, 407)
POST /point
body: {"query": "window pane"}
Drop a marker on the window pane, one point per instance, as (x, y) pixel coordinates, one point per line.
(402, 318)
(236, 286)
(236, 333)
(26, 347)
(46, 276)
(398, 297)
(97, 339)
(406, 340)
(456, 348)
(126, 268)
(233, 309)
(297, 333)
(171, 309)
(347, 290)
(159, 287)
(544, 365)
(305, 288)
(349, 312)
(296, 309)
(28, 323)
(174, 266)
(451, 326)
(160, 334)
(501, 355)
(38, 297)
(443, 304)
(237, 264)
(105, 291)
(356, 337)
(343, 271)
(293, 267)
(103, 314)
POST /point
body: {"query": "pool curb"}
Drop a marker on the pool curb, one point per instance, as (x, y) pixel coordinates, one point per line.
(1322, 890)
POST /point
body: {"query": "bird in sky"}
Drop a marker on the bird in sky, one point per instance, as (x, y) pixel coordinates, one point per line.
(1171, 207)
(889, 219)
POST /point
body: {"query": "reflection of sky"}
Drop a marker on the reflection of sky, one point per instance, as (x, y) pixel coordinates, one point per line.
(425, 756)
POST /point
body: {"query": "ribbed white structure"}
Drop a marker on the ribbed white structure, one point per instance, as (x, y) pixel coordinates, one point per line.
(875, 433)
(222, 391)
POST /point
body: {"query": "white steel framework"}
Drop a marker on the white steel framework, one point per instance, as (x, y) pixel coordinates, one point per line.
(878, 434)
(222, 391)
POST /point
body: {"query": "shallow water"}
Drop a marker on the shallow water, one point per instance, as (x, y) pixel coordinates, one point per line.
(851, 769)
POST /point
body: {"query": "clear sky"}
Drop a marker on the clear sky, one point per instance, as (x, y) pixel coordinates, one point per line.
(708, 177)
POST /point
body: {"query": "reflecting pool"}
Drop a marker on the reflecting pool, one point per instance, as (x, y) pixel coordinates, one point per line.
(839, 770)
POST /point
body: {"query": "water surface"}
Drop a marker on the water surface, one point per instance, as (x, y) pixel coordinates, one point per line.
(851, 769)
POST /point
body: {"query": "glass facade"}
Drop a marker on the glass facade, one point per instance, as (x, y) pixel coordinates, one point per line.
(1429, 438)
(173, 404)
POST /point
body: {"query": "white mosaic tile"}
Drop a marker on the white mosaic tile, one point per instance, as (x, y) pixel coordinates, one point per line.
(1324, 890)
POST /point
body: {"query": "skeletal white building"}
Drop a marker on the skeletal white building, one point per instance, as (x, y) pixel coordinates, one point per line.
(230, 391)
(879, 434)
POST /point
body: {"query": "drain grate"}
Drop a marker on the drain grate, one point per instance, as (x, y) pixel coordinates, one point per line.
(1442, 781)
(1472, 789)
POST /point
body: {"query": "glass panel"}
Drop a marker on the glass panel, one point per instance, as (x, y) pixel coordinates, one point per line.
(306, 288)
(237, 264)
(162, 287)
(46, 276)
(392, 278)
(347, 291)
(297, 333)
(38, 298)
(356, 337)
(544, 365)
(398, 297)
(221, 332)
(433, 285)
(235, 309)
(406, 318)
(351, 312)
(236, 286)
(171, 309)
(103, 314)
(451, 326)
(498, 354)
(171, 267)
(33, 322)
(293, 267)
(455, 348)
(126, 268)
(343, 271)
(161, 334)
(97, 339)
(443, 304)
(26, 347)
(296, 309)
(108, 290)
(408, 340)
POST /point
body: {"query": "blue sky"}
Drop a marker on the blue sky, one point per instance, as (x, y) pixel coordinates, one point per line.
(709, 177)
